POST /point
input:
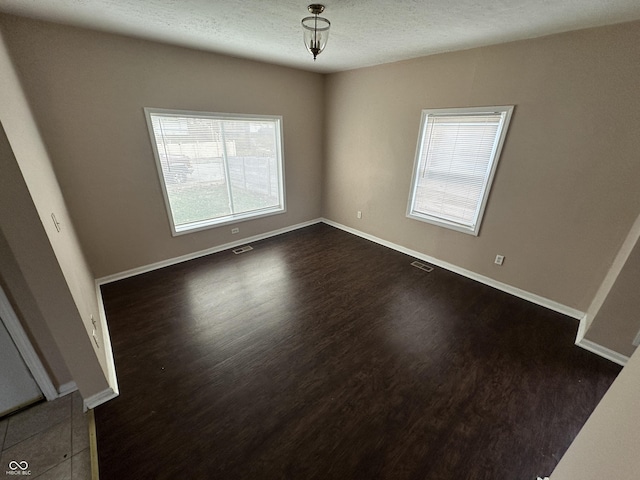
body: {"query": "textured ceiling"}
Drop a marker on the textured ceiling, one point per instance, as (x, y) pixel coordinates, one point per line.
(363, 32)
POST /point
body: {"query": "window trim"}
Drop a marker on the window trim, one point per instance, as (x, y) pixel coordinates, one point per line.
(458, 111)
(229, 219)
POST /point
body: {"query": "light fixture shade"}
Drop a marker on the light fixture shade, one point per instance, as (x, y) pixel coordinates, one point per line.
(316, 34)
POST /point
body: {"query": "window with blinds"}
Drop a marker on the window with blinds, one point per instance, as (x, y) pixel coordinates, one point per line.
(457, 154)
(217, 169)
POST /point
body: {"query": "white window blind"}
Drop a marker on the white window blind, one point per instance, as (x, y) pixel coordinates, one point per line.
(457, 154)
(216, 168)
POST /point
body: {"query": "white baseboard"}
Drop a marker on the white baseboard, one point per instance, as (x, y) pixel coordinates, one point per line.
(99, 398)
(113, 390)
(583, 327)
(603, 351)
(67, 388)
(531, 297)
(112, 379)
(596, 348)
(201, 253)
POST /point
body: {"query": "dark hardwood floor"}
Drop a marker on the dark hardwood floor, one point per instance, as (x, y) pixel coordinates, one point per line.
(320, 355)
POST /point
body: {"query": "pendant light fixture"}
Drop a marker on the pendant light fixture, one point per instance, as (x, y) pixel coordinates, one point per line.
(316, 30)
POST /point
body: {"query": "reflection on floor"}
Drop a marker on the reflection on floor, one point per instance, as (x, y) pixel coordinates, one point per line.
(319, 355)
(50, 440)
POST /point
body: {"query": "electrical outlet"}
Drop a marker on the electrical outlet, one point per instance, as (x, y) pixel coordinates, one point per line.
(235, 230)
(359, 214)
(499, 259)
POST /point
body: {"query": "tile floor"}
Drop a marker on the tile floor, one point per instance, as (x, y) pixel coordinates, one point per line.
(52, 437)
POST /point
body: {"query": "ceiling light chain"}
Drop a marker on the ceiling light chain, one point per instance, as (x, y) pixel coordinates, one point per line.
(316, 30)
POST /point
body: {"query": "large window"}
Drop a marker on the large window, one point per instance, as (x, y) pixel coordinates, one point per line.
(457, 154)
(216, 168)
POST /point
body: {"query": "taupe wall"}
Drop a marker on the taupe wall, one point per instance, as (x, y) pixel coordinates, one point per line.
(40, 280)
(88, 90)
(563, 199)
(566, 190)
(26, 308)
(617, 322)
(51, 262)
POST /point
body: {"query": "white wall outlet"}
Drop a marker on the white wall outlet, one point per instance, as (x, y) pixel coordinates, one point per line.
(235, 230)
(499, 259)
(359, 214)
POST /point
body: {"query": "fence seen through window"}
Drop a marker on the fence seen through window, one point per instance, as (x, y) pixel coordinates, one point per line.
(217, 169)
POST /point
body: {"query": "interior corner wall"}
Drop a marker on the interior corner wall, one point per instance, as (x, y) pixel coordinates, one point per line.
(87, 91)
(563, 198)
(31, 318)
(49, 258)
(41, 280)
(566, 189)
(617, 322)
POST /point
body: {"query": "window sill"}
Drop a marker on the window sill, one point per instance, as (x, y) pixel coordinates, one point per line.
(227, 220)
(469, 230)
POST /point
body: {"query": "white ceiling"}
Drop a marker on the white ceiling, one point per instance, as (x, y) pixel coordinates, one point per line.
(363, 32)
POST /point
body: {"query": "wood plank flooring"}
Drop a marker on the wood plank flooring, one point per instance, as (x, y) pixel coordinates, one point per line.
(320, 355)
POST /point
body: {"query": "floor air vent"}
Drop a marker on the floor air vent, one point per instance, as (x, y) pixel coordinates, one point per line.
(240, 250)
(422, 266)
